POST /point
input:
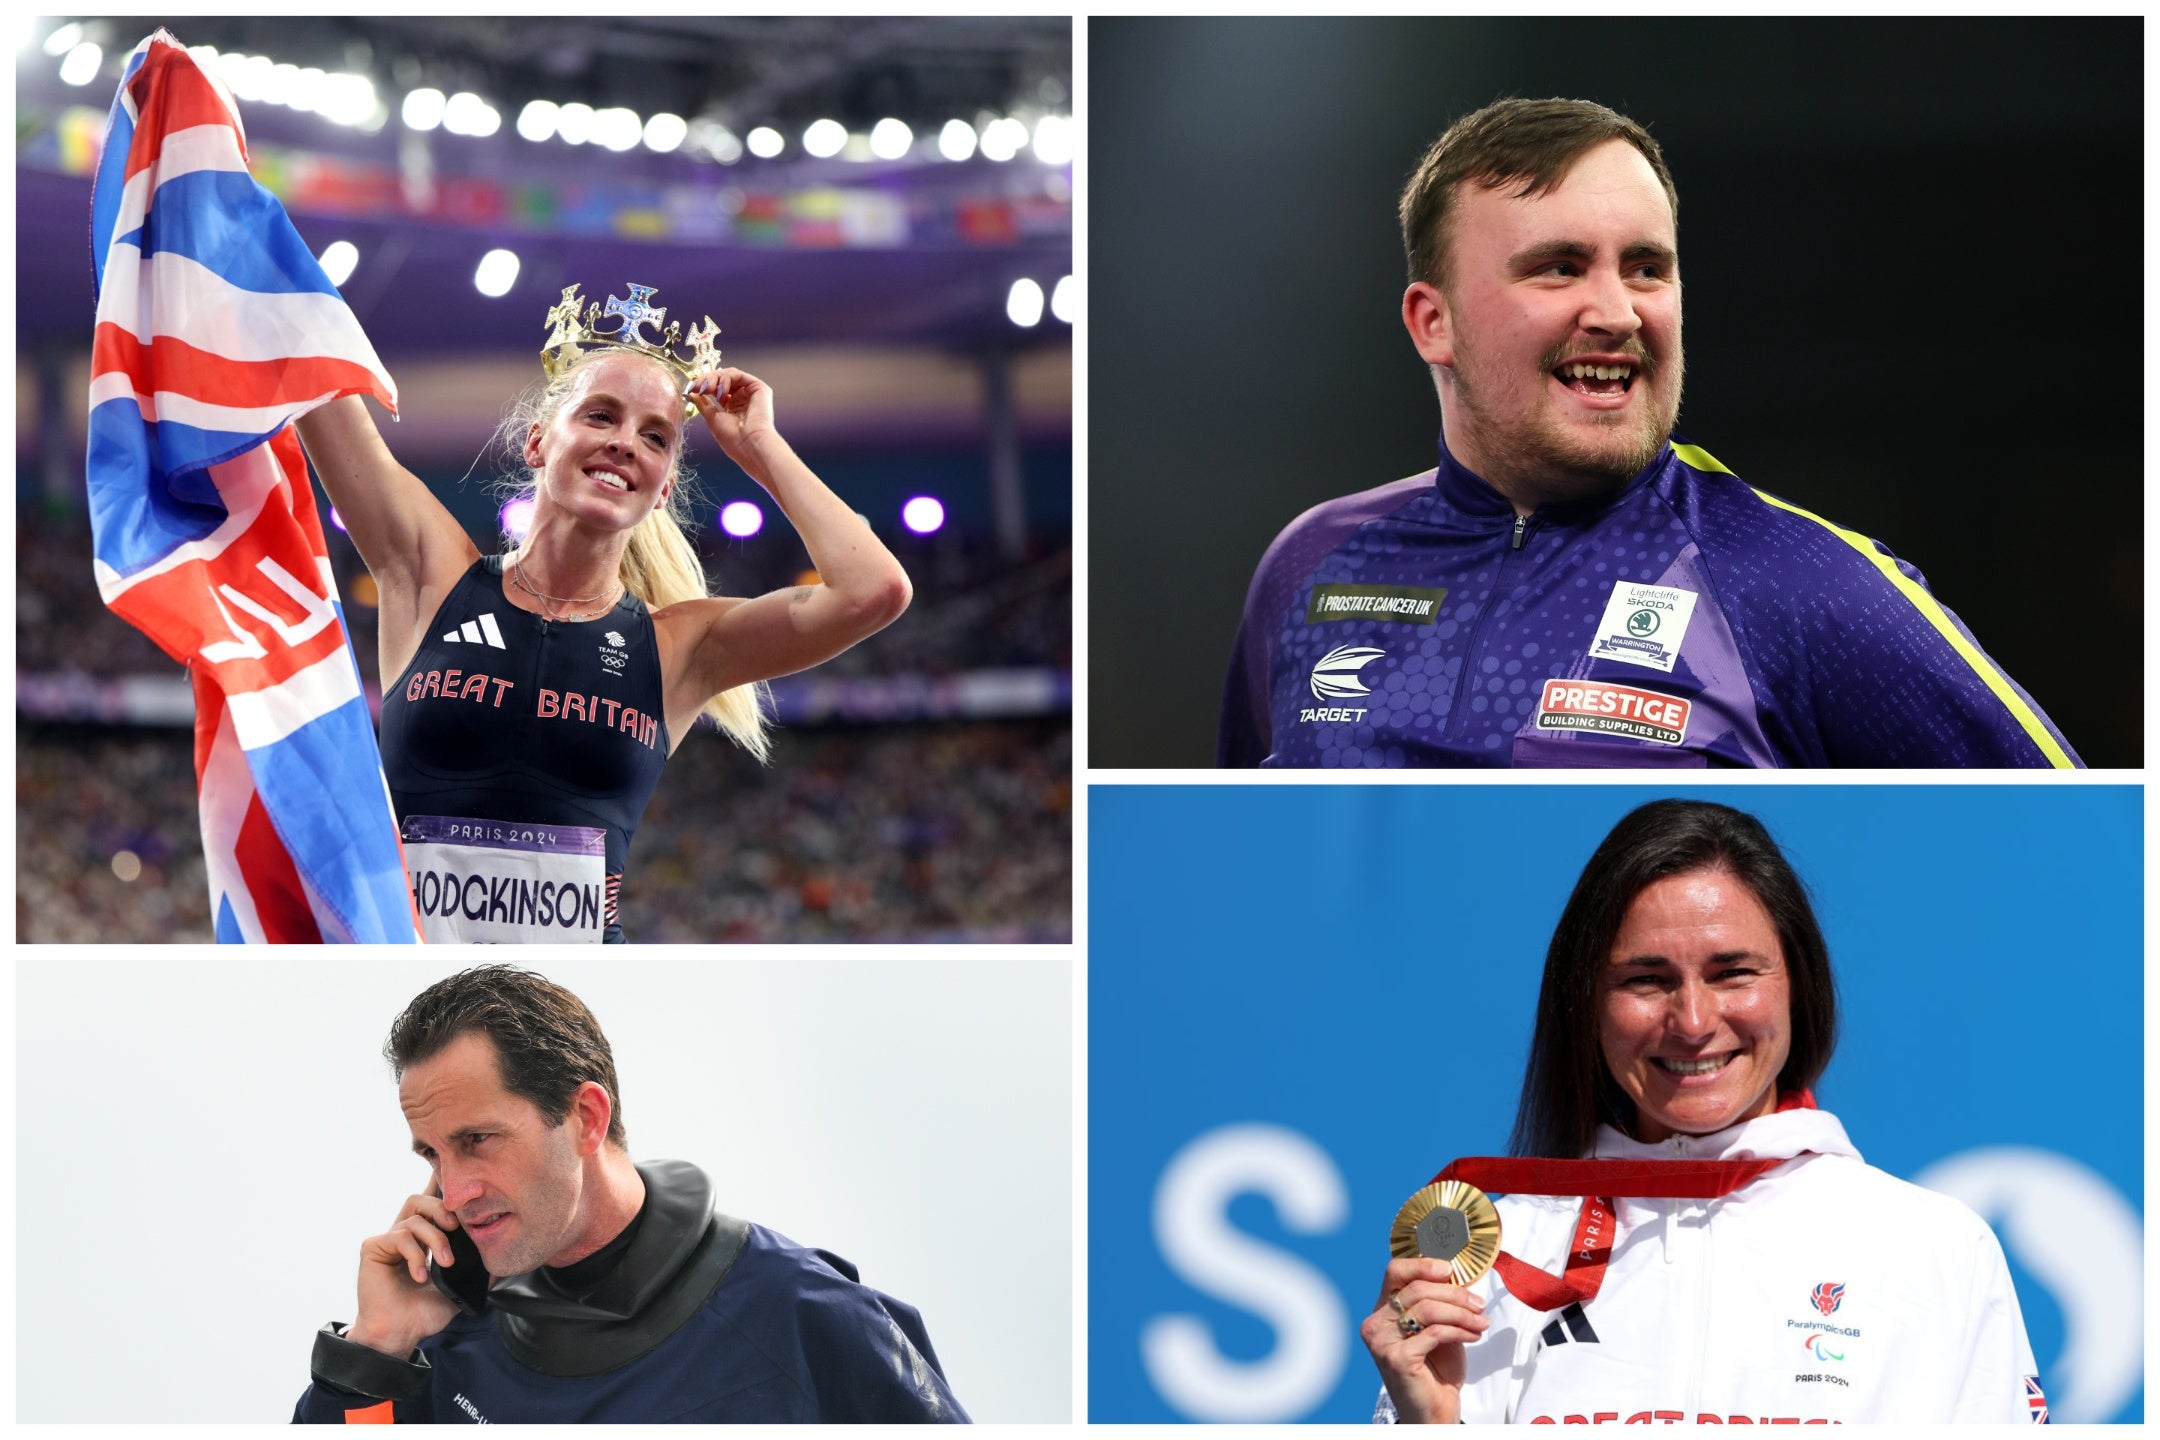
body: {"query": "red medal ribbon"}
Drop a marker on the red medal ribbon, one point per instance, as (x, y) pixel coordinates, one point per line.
(1598, 1181)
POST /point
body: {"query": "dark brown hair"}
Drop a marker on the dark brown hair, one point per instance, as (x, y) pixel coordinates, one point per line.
(1533, 143)
(1567, 1090)
(546, 1042)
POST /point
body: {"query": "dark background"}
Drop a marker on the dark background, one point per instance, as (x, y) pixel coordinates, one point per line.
(1913, 256)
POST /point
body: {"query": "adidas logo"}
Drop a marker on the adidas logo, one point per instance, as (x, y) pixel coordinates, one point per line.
(1572, 1325)
(483, 631)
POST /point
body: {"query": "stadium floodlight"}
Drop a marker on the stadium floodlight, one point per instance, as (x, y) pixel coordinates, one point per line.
(515, 517)
(284, 86)
(348, 99)
(423, 108)
(617, 129)
(724, 146)
(890, 139)
(1024, 303)
(1002, 138)
(766, 143)
(957, 140)
(1064, 299)
(665, 132)
(824, 138)
(741, 518)
(574, 122)
(1053, 140)
(308, 91)
(536, 122)
(338, 262)
(81, 65)
(925, 514)
(497, 273)
(468, 114)
(243, 74)
(62, 40)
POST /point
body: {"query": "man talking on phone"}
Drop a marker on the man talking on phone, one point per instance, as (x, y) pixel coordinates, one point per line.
(545, 1277)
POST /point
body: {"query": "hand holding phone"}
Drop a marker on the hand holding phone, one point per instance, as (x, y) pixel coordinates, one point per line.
(465, 1280)
(399, 1305)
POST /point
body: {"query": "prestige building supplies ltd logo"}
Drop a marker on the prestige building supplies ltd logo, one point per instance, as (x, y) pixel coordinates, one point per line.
(1613, 710)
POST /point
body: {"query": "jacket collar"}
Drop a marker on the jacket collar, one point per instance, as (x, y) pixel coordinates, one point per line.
(1799, 1130)
(1470, 494)
(682, 1252)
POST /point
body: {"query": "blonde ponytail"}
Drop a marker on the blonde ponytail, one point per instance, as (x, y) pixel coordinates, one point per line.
(659, 565)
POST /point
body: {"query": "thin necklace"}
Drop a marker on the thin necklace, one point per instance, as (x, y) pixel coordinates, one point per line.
(590, 602)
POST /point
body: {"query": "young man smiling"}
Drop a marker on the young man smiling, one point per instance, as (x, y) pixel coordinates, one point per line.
(596, 1288)
(1574, 584)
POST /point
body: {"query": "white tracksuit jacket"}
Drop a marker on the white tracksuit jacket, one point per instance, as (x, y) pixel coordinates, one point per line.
(1709, 1314)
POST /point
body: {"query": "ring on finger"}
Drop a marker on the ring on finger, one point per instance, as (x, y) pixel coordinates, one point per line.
(1396, 1301)
(1408, 1323)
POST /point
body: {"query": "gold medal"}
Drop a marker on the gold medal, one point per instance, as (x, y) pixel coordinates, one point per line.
(1449, 1221)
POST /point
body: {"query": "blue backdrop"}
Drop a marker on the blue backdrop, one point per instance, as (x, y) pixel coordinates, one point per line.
(1303, 1000)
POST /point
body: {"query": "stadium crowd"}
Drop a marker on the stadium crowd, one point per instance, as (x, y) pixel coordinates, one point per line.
(954, 829)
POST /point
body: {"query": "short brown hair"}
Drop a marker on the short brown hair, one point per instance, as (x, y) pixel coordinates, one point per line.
(1567, 1088)
(1532, 142)
(547, 1043)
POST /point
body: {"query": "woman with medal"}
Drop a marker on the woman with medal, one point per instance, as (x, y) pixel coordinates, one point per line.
(531, 698)
(1722, 1255)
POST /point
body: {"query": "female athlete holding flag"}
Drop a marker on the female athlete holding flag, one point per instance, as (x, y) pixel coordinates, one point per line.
(530, 699)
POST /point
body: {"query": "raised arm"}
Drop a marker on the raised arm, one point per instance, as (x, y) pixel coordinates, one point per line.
(726, 643)
(413, 546)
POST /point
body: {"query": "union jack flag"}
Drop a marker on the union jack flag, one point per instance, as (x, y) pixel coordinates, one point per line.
(215, 329)
(2035, 1402)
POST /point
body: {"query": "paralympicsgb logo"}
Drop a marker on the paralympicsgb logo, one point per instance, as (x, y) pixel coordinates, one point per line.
(1828, 1296)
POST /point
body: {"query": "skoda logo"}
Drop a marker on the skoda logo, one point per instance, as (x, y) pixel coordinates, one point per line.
(1642, 622)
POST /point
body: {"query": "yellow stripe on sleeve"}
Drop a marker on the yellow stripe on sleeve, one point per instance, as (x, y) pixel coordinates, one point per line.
(1926, 604)
(1695, 457)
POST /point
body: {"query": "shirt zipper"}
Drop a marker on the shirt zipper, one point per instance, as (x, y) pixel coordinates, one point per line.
(1672, 1207)
(1699, 1259)
(1708, 1321)
(1467, 676)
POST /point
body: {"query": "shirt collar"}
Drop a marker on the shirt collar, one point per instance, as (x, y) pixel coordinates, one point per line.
(1469, 493)
(1800, 1130)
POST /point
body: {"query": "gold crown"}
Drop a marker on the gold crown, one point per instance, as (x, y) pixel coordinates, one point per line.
(571, 334)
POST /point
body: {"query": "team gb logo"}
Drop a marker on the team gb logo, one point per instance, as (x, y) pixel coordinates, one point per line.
(1828, 1296)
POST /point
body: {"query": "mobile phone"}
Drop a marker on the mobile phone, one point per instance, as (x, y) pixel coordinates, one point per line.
(466, 1280)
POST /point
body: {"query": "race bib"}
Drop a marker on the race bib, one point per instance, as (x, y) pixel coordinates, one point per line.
(495, 882)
